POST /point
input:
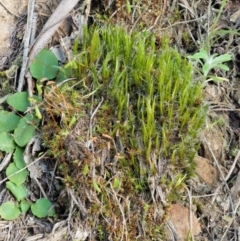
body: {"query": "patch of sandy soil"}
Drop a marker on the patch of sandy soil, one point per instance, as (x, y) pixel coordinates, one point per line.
(207, 172)
(10, 11)
(183, 220)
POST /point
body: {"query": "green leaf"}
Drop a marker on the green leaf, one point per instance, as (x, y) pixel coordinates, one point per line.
(6, 142)
(206, 68)
(222, 58)
(72, 121)
(18, 178)
(38, 112)
(85, 170)
(19, 192)
(19, 101)
(42, 207)
(25, 129)
(18, 158)
(24, 205)
(223, 66)
(116, 182)
(45, 65)
(96, 187)
(63, 74)
(217, 79)
(8, 121)
(9, 211)
(128, 7)
(202, 54)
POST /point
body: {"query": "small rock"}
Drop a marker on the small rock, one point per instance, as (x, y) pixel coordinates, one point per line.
(179, 216)
(205, 170)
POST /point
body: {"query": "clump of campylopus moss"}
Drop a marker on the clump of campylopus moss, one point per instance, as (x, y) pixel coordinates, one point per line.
(128, 141)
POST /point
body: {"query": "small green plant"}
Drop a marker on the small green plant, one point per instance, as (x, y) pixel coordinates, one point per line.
(209, 62)
(214, 61)
(16, 130)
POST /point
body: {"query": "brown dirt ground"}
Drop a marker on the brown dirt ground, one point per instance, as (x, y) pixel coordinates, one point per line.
(210, 206)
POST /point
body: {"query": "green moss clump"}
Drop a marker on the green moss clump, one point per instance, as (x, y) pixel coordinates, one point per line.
(144, 132)
(150, 89)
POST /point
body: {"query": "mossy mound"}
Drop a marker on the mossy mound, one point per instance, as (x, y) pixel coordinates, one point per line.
(137, 114)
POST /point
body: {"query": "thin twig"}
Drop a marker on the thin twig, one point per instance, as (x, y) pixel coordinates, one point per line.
(236, 208)
(124, 222)
(91, 118)
(216, 162)
(223, 183)
(27, 37)
(40, 186)
(38, 159)
(34, 27)
(233, 166)
(182, 22)
(190, 213)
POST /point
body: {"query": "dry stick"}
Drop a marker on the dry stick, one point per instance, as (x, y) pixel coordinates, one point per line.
(222, 109)
(32, 38)
(80, 206)
(229, 173)
(190, 212)
(186, 5)
(5, 161)
(88, 9)
(208, 15)
(70, 216)
(124, 225)
(91, 119)
(39, 185)
(34, 27)
(217, 164)
(172, 230)
(235, 209)
(181, 22)
(224, 183)
(233, 166)
(27, 37)
(39, 158)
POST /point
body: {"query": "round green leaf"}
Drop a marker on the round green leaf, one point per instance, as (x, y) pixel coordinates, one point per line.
(9, 211)
(8, 121)
(18, 158)
(25, 129)
(19, 101)
(18, 178)
(42, 207)
(45, 65)
(19, 192)
(63, 74)
(24, 205)
(6, 142)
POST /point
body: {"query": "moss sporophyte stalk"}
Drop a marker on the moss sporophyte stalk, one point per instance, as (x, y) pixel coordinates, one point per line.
(138, 115)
